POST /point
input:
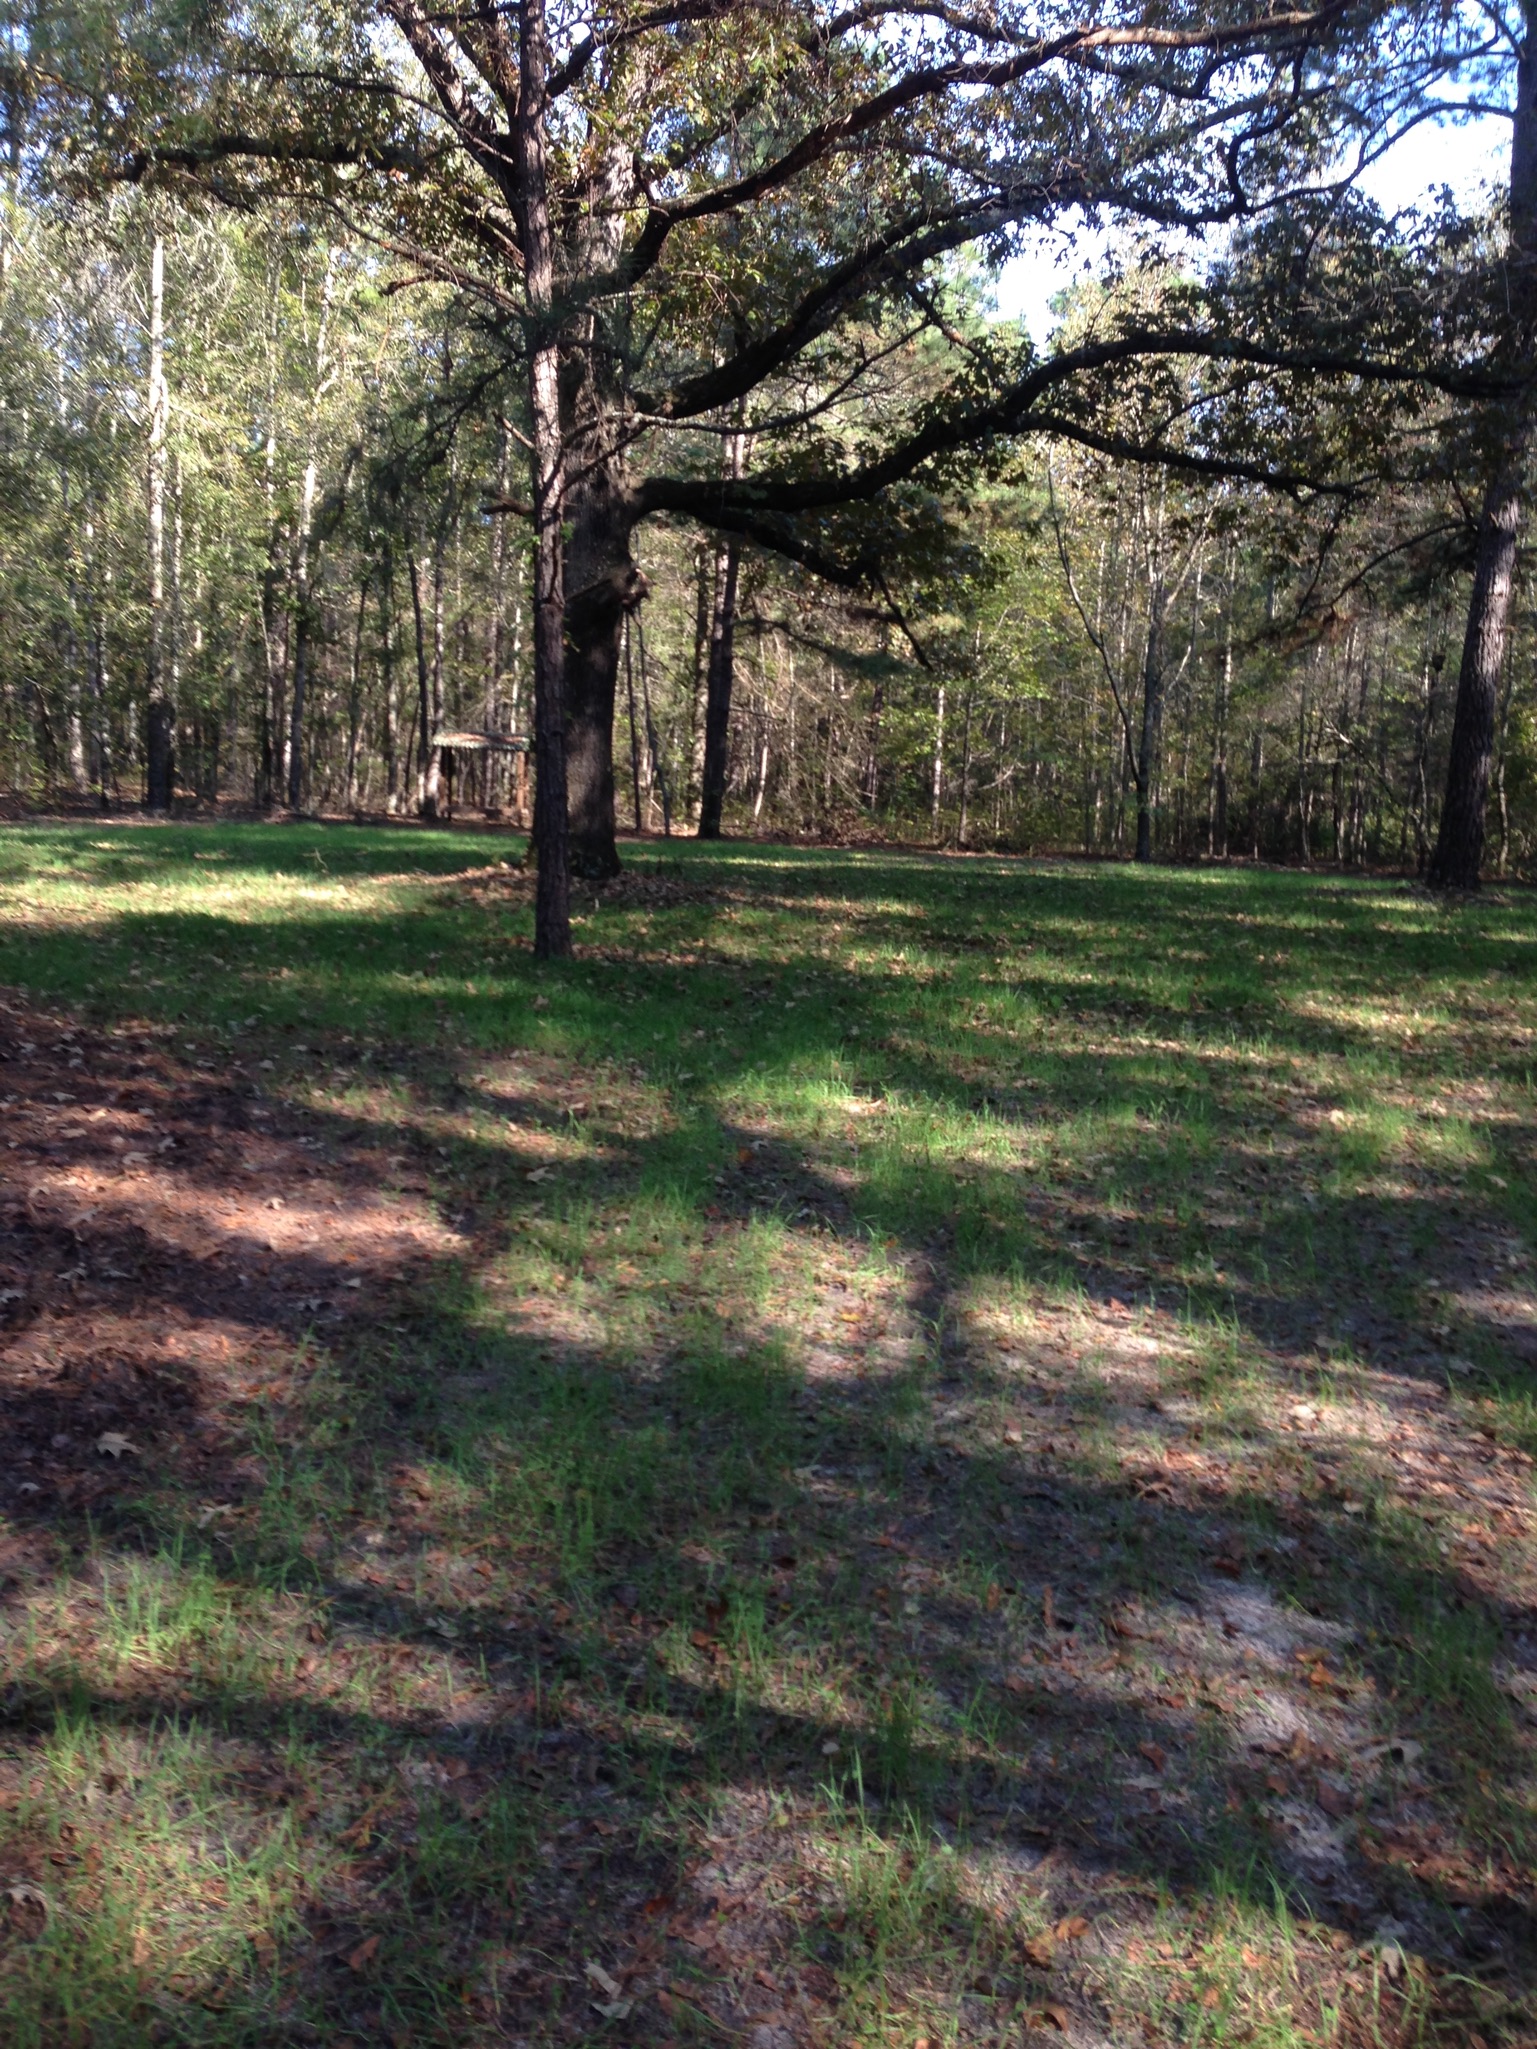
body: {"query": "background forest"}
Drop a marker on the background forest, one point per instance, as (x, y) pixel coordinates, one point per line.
(238, 458)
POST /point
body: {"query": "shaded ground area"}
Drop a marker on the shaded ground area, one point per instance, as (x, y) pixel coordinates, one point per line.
(909, 1450)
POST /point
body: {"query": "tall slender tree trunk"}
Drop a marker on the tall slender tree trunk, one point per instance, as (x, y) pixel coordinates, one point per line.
(355, 694)
(658, 768)
(298, 698)
(298, 688)
(305, 544)
(435, 762)
(1418, 818)
(963, 814)
(1216, 812)
(873, 747)
(763, 766)
(75, 723)
(1459, 849)
(552, 898)
(937, 781)
(495, 623)
(1304, 792)
(720, 675)
(427, 777)
(1152, 719)
(101, 711)
(160, 734)
(387, 667)
(629, 691)
(1501, 757)
(709, 568)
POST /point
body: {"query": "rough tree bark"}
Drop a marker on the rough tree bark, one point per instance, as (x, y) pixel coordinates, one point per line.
(603, 586)
(547, 473)
(1459, 850)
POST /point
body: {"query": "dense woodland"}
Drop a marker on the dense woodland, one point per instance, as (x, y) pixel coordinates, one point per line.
(268, 533)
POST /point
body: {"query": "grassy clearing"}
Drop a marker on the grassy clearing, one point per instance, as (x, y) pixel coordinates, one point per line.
(908, 1449)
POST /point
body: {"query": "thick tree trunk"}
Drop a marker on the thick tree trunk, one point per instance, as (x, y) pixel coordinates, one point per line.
(603, 586)
(1459, 850)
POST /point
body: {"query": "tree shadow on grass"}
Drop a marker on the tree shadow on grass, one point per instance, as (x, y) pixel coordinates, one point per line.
(729, 1604)
(686, 1406)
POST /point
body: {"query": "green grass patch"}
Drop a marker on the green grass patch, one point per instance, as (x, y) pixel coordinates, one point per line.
(906, 1447)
